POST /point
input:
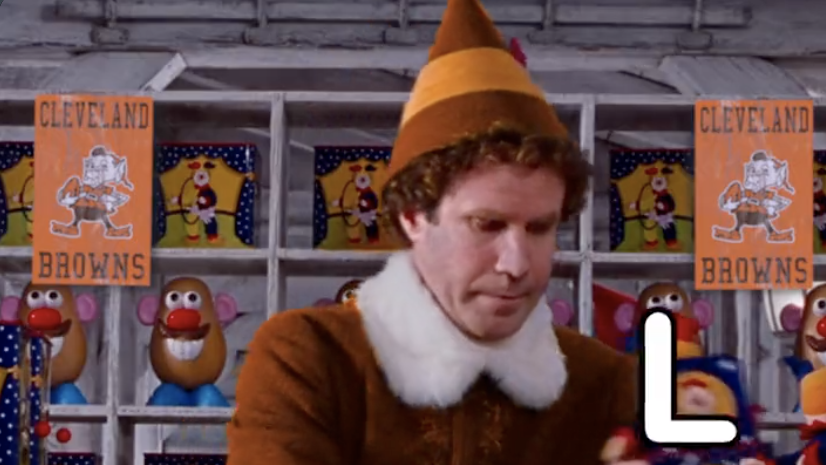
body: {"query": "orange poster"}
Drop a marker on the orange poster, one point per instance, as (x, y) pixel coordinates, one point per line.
(753, 201)
(93, 190)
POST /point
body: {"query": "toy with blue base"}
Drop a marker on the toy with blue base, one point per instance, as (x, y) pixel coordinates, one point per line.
(706, 385)
(187, 349)
(61, 315)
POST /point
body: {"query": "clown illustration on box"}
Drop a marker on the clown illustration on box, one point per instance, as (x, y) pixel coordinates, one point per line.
(59, 315)
(208, 195)
(187, 348)
(705, 386)
(347, 209)
(651, 201)
(16, 193)
(198, 200)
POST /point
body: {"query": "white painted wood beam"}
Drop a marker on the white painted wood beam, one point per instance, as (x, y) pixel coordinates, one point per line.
(388, 12)
(214, 84)
(400, 58)
(809, 73)
(729, 76)
(116, 71)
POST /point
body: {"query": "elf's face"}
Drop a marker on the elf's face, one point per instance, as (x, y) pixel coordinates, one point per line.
(487, 254)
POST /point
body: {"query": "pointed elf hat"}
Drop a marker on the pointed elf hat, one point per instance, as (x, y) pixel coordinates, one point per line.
(813, 393)
(470, 84)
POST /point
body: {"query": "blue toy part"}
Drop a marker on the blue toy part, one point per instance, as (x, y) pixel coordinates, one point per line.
(729, 370)
(632, 342)
(169, 395)
(799, 368)
(67, 394)
(208, 396)
(172, 395)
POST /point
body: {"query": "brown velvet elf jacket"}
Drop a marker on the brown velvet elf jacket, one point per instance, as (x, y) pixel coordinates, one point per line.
(390, 381)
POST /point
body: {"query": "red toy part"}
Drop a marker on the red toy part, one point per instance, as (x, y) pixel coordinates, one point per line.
(606, 303)
(64, 435)
(42, 429)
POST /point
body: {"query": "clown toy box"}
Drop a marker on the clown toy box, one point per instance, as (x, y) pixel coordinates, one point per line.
(652, 201)
(21, 378)
(16, 193)
(347, 210)
(819, 190)
(208, 195)
(184, 459)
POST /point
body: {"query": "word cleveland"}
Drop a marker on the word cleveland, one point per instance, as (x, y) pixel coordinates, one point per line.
(97, 266)
(94, 115)
(755, 119)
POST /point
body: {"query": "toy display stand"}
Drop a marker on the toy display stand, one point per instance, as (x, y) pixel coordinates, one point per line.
(277, 261)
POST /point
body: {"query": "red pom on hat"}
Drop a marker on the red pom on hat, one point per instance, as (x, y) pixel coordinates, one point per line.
(518, 54)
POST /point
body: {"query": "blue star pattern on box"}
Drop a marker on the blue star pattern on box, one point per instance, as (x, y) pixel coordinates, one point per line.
(238, 157)
(11, 154)
(72, 458)
(184, 459)
(10, 346)
(327, 160)
(820, 157)
(625, 162)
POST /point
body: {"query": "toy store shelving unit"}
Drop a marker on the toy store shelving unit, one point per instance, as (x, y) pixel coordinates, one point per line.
(584, 113)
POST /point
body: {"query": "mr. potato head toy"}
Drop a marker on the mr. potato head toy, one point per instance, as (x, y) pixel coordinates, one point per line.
(187, 348)
(705, 386)
(809, 322)
(618, 316)
(58, 315)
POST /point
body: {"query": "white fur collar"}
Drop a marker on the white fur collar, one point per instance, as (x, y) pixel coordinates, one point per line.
(429, 362)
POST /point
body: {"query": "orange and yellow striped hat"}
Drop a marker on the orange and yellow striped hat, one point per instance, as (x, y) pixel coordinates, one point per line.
(470, 83)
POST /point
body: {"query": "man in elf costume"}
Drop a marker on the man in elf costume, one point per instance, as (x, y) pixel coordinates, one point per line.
(448, 355)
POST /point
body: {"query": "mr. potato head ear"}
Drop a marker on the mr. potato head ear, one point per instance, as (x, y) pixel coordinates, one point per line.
(225, 308)
(8, 308)
(562, 311)
(703, 311)
(624, 317)
(148, 308)
(86, 306)
(791, 318)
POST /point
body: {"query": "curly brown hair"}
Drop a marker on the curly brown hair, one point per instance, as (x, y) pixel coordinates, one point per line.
(421, 185)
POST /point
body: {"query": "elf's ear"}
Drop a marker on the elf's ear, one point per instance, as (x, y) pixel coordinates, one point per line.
(414, 224)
